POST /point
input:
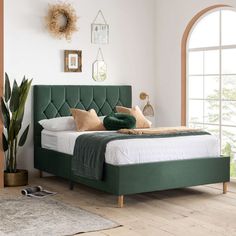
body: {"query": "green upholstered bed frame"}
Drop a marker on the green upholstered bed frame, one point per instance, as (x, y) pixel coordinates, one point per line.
(52, 101)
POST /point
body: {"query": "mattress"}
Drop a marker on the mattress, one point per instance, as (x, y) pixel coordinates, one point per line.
(134, 151)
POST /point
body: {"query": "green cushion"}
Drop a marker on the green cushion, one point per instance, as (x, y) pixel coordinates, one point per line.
(118, 121)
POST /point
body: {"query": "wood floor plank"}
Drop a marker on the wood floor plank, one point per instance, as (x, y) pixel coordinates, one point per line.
(199, 211)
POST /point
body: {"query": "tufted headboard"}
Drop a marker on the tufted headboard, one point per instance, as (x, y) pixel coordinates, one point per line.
(52, 101)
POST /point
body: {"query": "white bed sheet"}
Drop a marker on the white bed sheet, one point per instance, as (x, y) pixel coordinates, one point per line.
(134, 151)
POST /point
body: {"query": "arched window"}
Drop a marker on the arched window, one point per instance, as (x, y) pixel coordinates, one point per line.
(211, 76)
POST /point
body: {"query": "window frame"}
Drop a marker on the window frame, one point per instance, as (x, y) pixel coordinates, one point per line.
(219, 48)
(183, 56)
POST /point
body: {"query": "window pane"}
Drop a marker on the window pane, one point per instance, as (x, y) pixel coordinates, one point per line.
(210, 79)
(228, 27)
(213, 129)
(211, 86)
(195, 111)
(229, 87)
(196, 87)
(195, 63)
(229, 61)
(229, 113)
(196, 126)
(212, 112)
(206, 32)
(212, 62)
(229, 137)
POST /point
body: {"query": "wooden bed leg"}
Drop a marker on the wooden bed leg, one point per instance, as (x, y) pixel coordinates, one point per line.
(225, 187)
(40, 174)
(71, 185)
(120, 201)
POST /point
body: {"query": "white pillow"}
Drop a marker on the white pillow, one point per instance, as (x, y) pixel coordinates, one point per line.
(59, 124)
(101, 118)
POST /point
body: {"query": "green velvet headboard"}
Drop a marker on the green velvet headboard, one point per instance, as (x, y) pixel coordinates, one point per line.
(52, 101)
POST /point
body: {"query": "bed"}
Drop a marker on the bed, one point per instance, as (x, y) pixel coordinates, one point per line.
(120, 179)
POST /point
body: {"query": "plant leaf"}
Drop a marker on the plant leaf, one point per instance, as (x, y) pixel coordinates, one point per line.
(5, 114)
(17, 124)
(23, 137)
(18, 115)
(23, 81)
(15, 97)
(7, 91)
(24, 94)
(4, 142)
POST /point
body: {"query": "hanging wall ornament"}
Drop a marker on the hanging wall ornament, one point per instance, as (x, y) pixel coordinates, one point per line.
(99, 68)
(100, 30)
(61, 20)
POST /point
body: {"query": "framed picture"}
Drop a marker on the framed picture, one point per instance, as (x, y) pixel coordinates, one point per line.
(100, 33)
(73, 61)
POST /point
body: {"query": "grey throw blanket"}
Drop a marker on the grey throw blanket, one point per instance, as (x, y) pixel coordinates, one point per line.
(89, 150)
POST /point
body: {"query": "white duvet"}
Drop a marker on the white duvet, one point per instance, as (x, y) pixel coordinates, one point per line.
(133, 151)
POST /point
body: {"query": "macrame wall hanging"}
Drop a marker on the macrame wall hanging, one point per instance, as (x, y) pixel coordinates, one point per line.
(99, 67)
(100, 30)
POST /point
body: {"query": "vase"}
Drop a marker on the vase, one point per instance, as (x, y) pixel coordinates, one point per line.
(19, 178)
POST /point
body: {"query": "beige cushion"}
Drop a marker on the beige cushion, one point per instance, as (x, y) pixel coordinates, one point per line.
(141, 121)
(87, 120)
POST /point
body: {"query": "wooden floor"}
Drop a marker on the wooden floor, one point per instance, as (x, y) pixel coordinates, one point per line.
(202, 210)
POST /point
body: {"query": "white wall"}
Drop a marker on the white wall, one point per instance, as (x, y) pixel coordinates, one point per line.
(144, 49)
(172, 17)
(31, 51)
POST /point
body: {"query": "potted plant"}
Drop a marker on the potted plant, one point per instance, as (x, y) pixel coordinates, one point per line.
(13, 106)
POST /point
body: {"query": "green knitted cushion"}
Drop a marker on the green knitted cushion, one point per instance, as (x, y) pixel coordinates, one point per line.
(118, 121)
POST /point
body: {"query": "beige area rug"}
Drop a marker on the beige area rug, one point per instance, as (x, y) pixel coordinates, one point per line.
(36, 217)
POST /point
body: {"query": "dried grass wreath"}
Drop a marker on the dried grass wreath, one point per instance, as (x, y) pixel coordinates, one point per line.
(61, 20)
